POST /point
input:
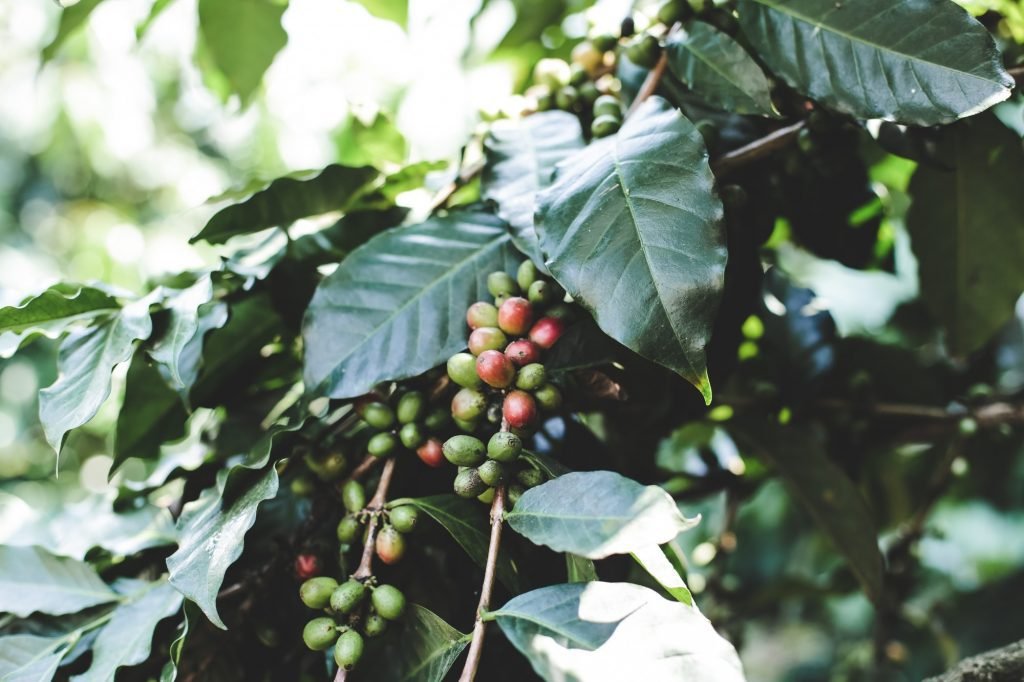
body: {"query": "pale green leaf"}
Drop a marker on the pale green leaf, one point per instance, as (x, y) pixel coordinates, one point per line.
(33, 580)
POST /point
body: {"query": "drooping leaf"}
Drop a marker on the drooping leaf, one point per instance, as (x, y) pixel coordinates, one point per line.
(33, 580)
(51, 313)
(422, 648)
(390, 10)
(242, 37)
(654, 561)
(184, 308)
(633, 230)
(718, 69)
(152, 414)
(521, 159)
(87, 358)
(546, 464)
(288, 198)
(919, 62)
(71, 18)
(125, 640)
(170, 670)
(29, 658)
(395, 307)
(579, 569)
(586, 632)
(827, 493)
(467, 523)
(596, 514)
(967, 229)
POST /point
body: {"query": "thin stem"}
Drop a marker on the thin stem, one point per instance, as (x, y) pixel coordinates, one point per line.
(759, 148)
(476, 644)
(363, 468)
(465, 177)
(375, 505)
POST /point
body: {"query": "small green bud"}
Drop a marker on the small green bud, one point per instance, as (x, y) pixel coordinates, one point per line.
(353, 496)
(531, 377)
(491, 472)
(348, 650)
(329, 466)
(316, 592)
(504, 446)
(501, 284)
(464, 450)
(320, 633)
(411, 406)
(526, 275)
(302, 486)
(404, 518)
(348, 596)
(382, 444)
(469, 484)
(348, 529)
(462, 370)
(412, 435)
(388, 601)
(589, 93)
(378, 415)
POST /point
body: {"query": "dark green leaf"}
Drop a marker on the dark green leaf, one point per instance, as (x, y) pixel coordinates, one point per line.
(521, 159)
(242, 37)
(184, 308)
(633, 230)
(51, 312)
(29, 658)
(967, 230)
(288, 198)
(920, 62)
(615, 631)
(396, 306)
(334, 243)
(596, 514)
(71, 18)
(390, 10)
(191, 616)
(719, 70)
(33, 580)
(422, 648)
(152, 414)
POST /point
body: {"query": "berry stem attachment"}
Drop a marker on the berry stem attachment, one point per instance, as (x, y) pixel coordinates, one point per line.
(375, 504)
(476, 645)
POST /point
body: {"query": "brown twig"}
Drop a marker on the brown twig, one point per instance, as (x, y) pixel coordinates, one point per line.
(363, 468)
(650, 84)
(476, 645)
(375, 505)
(466, 176)
(1017, 72)
(758, 149)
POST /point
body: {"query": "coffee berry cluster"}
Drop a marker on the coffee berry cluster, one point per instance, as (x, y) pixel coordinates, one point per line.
(503, 384)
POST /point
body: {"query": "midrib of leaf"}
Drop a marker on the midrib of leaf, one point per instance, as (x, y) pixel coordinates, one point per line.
(435, 654)
(707, 60)
(569, 517)
(853, 38)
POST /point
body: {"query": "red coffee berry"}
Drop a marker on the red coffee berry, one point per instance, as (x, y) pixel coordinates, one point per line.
(547, 331)
(522, 352)
(486, 338)
(519, 409)
(515, 316)
(431, 453)
(482, 314)
(307, 566)
(495, 369)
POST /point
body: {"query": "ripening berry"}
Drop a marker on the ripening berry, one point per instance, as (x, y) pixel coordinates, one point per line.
(464, 451)
(348, 529)
(548, 397)
(378, 415)
(526, 275)
(348, 650)
(412, 435)
(388, 601)
(390, 545)
(546, 332)
(504, 446)
(515, 316)
(462, 370)
(316, 592)
(486, 338)
(531, 377)
(468, 404)
(411, 407)
(543, 293)
(608, 105)
(320, 633)
(495, 369)
(468, 483)
(382, 444)
(430, 453)
(522, 352)
(501, 284)
(404, 518)
(307, 566)
(491, 472)
(519, 409)
(530, 478)
(482, 314)
(347, 596)
(353, 496)
(374, 625)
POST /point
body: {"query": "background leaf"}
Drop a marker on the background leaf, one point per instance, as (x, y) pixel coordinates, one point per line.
(422, 648)
(242, 37)
(33, 580)
(29, 658)
(71, 19)
(152, 414)
(184, 308)
(920, 62)
(632, 229)
(390, 10)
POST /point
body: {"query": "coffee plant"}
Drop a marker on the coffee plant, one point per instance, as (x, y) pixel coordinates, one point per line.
(525, 415)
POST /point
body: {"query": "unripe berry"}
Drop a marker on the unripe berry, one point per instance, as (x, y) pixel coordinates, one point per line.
(548, 397)
(411, 407)
(561, 311)
(482, 314)
(464, 451)
(544, 293)
(530, 477)
(645, 51)
(588, 93)
(374, 625)
(390, 545)
(439, 417)
(526, 275)
(515, 316)
(316, 592)
(495, 369)
(565, 97)
(487, 338)
(353, 496)
(412, 435)
(348, 529)
(462, 370)
(603, 126)
(605, 42)
(531, 377)
(348, 596)
(522, 352)
(491, 472)
(320, 633)
(466, 425)
(469, 484)
(494, 413)
(673, 11)
(546, 332)
(382, 444)
(348, 650)
(306, 566)
(388, 601)
(519, 409)
(515, 491)
(468, 404)
(607, 105)
(378, 415)
(504, 446)
(302, 486)
(501, 284)
(430, 453)
(404, 518)
(328, 467)
(486, 496)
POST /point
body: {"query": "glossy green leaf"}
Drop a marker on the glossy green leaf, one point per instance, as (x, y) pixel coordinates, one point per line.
(421, 648)
(71, 19)
(242, 37)
(33, 580)
(717, 68)
(633, 230)
(466, 521)
(654, 561)
(596, 631)
(29, 658)
(920, 62)
(288, 198)
(546, 464)
(126, 639)
(396, 306)
(596, 514)
(967, 231)
(51, 313)
(390, 10)
(521, 159)
(191, 616)
(152, 414)
(87, 358)
(184, 308)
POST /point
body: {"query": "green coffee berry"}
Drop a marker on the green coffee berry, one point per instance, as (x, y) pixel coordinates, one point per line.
(469, 404)
(968, 426)
(673, 11)
(348, 529)
(316, 592)
(404, 518)
(605, 42)
(353, 496)
(644, 51)
(486, 496)
(504, 446)
(469, 484)
(328, 467)
(348, 596)
(320, 633)
(302, 486)
(531, 377)
(413, 405)
(603, 126)
(378, 415)
(374, 625)
(543, 293)
(501, 284)
(466, 425)
(382, 444)
(526, 275)
(388, 602)
(548, 397)
(491, 472)
(530, 477)
(464, 451)
(412, 435)
(462, 370)
(589, 93)
(348, 650)
(566, 97)
(545, 101)
(608, 105)
(439, 418)
(562, 311)
(515, 491)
